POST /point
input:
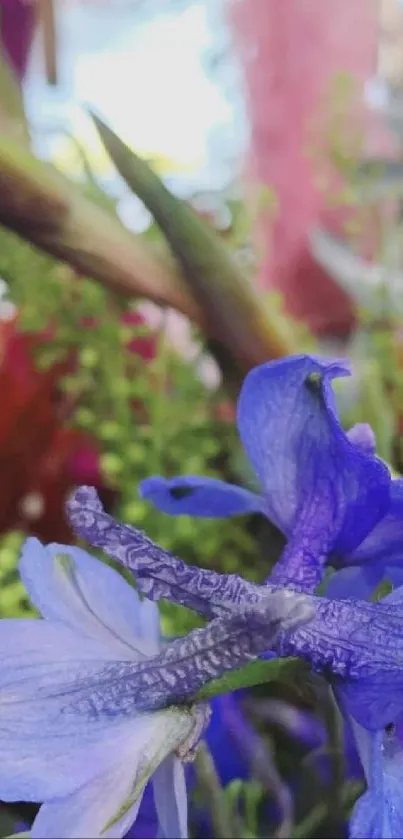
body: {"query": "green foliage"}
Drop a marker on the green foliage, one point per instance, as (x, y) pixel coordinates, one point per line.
(13, 597)
(256, 673)
(147, 417)
(245, 797)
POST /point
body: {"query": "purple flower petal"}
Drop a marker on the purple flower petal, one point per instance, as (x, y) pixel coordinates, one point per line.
(321, 489)
(69, 585)
(146, 823)
(379, 812)
(193, 495)
(354, 583)
(223, 741)
(85, 813)
(108, 804)
(361, 644)
(158, 573)
(384, 544)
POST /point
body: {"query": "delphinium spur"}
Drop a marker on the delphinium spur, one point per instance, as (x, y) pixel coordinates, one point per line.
(337, 505)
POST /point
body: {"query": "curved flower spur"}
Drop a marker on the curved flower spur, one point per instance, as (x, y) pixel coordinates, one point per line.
(87, 693)
(325, 489)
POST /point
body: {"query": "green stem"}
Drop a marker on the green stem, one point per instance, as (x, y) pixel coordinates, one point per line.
(211, 787)
(319, 813)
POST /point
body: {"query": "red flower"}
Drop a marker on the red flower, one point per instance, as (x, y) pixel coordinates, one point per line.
(41, 458)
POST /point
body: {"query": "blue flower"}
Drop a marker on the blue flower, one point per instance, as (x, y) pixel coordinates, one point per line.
(378, 814)
(358, 644)
(93, 705)
(325, 489)
(70, 736)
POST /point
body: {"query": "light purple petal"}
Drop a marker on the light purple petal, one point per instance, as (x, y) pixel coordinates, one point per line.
(158, 573)
(362, 435)
(193, 495)
(45, 749)
(171, 799)
(84, 813)
(319, 487)
(108, 804)
(69, 585)
(65, 712)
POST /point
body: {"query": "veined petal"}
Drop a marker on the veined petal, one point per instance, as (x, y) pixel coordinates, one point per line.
(158, 573)
(44, 752)
(193, 495)
(318, 485)
(362, 644)
(67, 584)
(61, 712)
(186, 664)
(171, 799)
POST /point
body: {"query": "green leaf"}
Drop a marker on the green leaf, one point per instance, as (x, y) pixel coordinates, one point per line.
(241, 323)
(256, 673)
(12, 116)
(51, 212)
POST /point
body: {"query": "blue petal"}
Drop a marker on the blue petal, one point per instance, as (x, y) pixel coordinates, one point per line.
(193, 495)
(319, 487)
(375, 699)
(379, 812)
(384, 544)
(353, 583)
(90, 597)
(146, 823)
(361, 644)
(171, 799)
(221, 739)
(366, 820)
